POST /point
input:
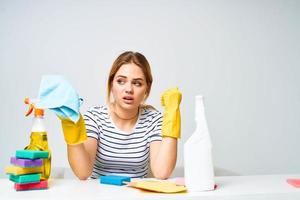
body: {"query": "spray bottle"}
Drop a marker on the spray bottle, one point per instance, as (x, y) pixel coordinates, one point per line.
(38, 137)
(198, 165)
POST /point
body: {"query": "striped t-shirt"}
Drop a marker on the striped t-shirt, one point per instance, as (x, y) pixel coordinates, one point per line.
(119, 152)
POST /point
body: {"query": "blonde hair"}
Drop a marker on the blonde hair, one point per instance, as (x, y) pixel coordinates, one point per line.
(130, 57)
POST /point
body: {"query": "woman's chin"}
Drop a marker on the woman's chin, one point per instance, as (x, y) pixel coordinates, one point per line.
(129, 106)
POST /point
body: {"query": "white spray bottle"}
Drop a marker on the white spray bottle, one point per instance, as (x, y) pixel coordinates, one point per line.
(198, 165)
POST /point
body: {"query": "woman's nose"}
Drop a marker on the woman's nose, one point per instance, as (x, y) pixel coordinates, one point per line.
(128, 88)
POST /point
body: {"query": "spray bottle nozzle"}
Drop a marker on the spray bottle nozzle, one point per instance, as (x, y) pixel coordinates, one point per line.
(31, 106)
(31, 103)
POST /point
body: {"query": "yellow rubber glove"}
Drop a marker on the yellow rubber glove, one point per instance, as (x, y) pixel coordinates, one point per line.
(74, 133)
(171, 125)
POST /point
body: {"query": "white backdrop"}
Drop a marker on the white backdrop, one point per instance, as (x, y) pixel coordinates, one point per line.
(243, 56)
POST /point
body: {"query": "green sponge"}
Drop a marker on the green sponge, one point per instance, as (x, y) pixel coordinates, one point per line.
(31, 154)
(27, 178)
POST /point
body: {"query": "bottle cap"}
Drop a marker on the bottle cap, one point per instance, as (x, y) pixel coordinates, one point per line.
(38, 112)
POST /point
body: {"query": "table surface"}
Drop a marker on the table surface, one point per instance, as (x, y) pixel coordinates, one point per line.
(229, 187)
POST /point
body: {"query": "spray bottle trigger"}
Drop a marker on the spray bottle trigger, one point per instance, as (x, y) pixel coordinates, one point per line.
(31, 107)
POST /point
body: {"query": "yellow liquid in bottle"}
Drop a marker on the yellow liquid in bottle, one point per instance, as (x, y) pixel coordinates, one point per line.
(39, 141)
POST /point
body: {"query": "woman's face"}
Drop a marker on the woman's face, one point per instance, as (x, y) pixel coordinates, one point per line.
(129, 86)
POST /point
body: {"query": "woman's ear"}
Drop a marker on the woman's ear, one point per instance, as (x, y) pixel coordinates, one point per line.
(145, 96)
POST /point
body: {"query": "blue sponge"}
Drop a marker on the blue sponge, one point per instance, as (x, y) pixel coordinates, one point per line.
(114, 180)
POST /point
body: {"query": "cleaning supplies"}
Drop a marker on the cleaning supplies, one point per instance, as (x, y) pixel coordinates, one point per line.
(19, 170)
(74, 133)
(294, 182)
(114, 180)
(171, 125)
(26, 170)
(26, 162)
(58, 95)
(31, 154)
(198, 165)
(161, 186)
(38, 138)
(31, 186)
(25, 178)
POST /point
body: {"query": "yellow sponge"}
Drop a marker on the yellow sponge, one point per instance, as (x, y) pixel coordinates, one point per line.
(21, 170)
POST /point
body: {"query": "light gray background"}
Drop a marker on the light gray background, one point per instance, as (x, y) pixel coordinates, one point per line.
(243, 56)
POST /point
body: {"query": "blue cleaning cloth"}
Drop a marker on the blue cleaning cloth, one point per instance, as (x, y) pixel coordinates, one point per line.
(58, 95)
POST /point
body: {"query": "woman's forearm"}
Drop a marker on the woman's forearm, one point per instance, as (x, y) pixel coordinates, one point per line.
(80, 161)
(165, 158)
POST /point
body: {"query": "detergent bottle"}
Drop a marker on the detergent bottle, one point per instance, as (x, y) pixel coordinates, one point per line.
(198, 165)
(38, 137)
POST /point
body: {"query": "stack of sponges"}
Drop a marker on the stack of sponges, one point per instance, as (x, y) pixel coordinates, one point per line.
(26, 170)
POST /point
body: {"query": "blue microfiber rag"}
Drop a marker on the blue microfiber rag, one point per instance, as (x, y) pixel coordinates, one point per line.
(58, 95)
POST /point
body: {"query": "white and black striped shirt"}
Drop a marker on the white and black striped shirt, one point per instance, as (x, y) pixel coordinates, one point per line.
(118, 152)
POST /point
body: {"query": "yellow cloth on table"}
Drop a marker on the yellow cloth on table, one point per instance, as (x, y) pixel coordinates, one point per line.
(158, 186)
(21, 170)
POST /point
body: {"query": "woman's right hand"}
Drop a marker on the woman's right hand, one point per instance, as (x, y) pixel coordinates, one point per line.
(74, 133)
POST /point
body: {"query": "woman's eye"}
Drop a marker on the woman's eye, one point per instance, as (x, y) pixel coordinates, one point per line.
(137, 83)
(120, 81)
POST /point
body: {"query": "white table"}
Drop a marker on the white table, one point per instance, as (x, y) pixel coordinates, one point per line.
(263, 187)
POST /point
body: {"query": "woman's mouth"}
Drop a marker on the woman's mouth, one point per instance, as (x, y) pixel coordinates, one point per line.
(128, 99)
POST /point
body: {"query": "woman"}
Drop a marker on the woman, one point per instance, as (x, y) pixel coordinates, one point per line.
(124, 135)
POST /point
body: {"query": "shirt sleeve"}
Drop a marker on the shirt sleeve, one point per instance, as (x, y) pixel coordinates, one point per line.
(155, 133)
(92, 127)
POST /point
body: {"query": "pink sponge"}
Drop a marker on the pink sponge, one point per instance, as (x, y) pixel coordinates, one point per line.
(294, 182)
(32, 186)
